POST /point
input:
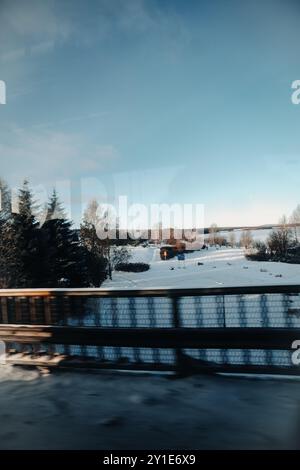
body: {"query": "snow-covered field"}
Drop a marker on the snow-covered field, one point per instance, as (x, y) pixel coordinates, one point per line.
(221, 267)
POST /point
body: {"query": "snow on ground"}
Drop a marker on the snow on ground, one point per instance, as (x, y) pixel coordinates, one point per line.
(140, 254)
(72, 410)
(221, 267)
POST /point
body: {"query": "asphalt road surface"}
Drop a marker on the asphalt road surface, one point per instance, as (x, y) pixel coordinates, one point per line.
(83, 410)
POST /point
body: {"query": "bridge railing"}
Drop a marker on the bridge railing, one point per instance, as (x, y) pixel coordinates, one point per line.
(223, 329)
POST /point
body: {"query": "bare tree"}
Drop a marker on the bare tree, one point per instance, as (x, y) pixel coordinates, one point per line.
(295, 223)
(101, 225)
(213, 230)
(246, 239)
(91, 213)
(280, 238)
(232, 239)
(5, 199)
(88, 231)
(95, 248)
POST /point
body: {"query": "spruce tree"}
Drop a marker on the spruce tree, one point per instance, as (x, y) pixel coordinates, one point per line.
(10, 263)
(19, 244)
(62, 256)
(27, 240)
(55, 208)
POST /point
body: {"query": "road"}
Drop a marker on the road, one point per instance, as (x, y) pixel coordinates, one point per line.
(72, 410)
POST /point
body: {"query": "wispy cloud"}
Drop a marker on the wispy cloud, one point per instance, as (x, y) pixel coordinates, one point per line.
(30, 28)
(45, 156)
(71, 119)
(37, 27)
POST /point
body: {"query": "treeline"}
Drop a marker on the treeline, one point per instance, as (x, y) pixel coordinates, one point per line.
(283, 243)
(52, 253)
(215, 238)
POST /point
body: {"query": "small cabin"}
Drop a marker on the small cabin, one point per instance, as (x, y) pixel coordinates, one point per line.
(167, 252)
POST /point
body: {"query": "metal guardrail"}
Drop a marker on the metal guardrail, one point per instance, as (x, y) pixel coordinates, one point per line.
(241, 329)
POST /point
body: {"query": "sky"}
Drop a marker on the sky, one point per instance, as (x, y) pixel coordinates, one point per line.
(164, 101)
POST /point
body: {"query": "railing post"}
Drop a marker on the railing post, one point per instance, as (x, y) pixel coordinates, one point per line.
(176, 315)
(32, 310)
(4, 310)
(47, 310)
(179, 356)
(18, 311)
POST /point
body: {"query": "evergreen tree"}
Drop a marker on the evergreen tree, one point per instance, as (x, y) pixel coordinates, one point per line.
(19, 244)
(27, 238)
(62, 256)
(55, 208)
(10, 265)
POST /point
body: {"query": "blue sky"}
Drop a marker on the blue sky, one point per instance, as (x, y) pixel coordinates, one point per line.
(164, 101)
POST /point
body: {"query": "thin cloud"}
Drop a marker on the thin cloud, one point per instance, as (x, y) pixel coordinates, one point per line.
(31, 28)
(80, 117)
(47, 156)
